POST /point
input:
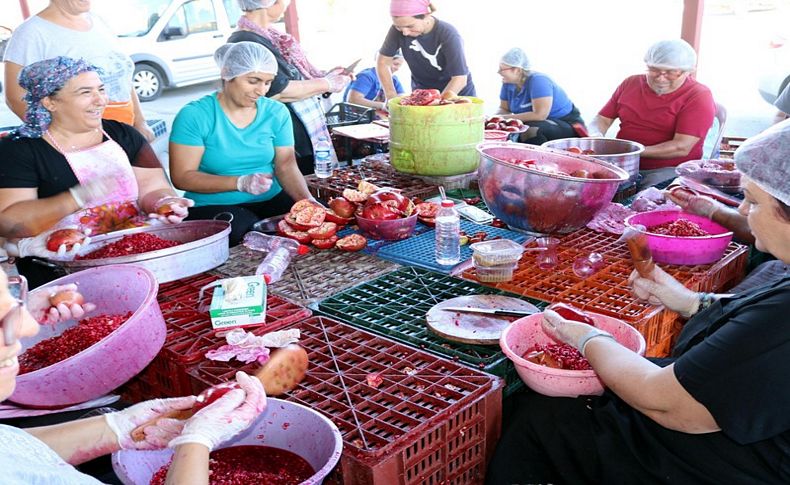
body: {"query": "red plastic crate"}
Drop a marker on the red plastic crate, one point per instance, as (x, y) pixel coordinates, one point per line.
(430, 421)
(190, 335)
(607, 291)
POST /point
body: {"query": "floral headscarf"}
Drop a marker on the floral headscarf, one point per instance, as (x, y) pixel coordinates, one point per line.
(42, 79)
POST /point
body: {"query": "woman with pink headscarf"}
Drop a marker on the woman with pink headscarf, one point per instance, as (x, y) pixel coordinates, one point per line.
(433, 49)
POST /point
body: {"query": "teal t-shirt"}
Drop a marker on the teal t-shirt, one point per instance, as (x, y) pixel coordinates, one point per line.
(230, 150)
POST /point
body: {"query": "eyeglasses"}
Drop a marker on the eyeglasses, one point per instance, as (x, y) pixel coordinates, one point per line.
(503, 69)
(670, 74)
(12, 320)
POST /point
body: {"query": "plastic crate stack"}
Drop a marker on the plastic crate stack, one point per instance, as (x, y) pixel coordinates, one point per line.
(190, 335)
(607, 291)
(406, 416)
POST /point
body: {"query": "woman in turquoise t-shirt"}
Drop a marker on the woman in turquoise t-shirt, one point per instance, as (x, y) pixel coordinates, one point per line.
(536, 100)
(233, 150)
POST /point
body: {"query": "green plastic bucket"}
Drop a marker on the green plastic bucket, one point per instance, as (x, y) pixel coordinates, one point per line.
(435, 140)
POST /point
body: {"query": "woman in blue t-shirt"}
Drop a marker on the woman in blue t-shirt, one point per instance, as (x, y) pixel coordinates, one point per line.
(232, 151)
(366, 89)
(535, 99)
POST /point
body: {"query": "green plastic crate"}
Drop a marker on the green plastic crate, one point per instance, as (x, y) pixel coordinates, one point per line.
(395, 304)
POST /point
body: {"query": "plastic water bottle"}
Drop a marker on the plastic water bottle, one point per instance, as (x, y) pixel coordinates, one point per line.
(322, 153)
(280, 251)
(448, 238)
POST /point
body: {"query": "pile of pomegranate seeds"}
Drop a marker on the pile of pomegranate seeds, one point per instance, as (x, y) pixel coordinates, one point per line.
(142, 242)
(679, 227)
(559, 356)
(251, 465)
(71, 342)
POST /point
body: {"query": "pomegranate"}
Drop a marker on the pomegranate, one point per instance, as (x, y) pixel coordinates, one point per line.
(569, 312)
(142, 242)
(69, 237)
(211, 394)
(380, 212)
(67, 297)
(403, 205)
(342, 207)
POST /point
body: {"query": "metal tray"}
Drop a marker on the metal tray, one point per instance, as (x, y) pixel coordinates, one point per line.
(204, 246)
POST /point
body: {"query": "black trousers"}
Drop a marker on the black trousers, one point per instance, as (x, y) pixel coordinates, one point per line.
(244, 215)
(539, 132)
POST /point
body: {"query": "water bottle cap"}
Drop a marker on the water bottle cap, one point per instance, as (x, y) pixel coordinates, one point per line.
(448, 203)
(303, 249)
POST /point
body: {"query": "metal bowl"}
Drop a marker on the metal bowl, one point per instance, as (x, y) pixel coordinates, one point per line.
(620, 153)
(538, 201)
(204, 245)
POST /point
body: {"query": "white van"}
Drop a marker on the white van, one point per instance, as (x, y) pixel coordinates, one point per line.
(171, 42)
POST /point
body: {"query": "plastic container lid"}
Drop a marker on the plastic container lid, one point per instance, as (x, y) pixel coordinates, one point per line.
(496, 252)
(448, 203)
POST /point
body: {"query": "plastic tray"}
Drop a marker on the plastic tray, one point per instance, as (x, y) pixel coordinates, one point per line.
(430, 420)
(607, 290)
(190, 335)
(395, 305)
(419, 250)
(378, 173)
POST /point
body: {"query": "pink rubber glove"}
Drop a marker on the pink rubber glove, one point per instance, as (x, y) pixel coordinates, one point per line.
(226, 417)
(157, 436)
(43, 312)
(254, 183)
(663, 289)
(171, 209)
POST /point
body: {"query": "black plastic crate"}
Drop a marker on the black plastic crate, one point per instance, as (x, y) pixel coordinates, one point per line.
(345, 114)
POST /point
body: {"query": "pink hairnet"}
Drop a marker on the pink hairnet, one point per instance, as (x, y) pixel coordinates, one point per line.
(409, 8)
(765, 158)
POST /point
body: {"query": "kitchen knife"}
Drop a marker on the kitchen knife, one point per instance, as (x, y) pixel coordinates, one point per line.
(348, 71)
(491, 311)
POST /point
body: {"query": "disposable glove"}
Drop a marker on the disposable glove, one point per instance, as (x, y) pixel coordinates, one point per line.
(337, 81)
(158, 435)
(694, 204)
(254, 183)
(226, 417)
(37, 246)
(38, 303)
(662, 289)
(171, 209)
(575, 334)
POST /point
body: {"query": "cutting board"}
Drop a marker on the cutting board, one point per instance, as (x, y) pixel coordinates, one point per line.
(363, 132)
(471, 328)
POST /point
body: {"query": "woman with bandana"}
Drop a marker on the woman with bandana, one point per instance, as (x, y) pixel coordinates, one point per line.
(298, 83)
(67, 167)
(433, 50)
(67, 28)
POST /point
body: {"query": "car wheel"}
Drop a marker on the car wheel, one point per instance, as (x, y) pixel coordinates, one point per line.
(147, 82)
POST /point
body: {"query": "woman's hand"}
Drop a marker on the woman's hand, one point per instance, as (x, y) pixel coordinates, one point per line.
(692, 203)
(226, 417)
(171, 209)
(40, 305)
(254, 183)
(662, 289)
(337, 81)
(37, 246)
(158, 435)
(573, 333)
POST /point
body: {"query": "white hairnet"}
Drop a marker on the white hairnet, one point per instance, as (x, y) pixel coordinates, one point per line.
(241, 58)
(672, 54)
(250, 5)
(517, 58)
(765, 158)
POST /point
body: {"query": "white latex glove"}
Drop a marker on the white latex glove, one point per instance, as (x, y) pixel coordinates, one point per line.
(662, 289)
(573, 333)
(37, 246)
(694, 204)
(337, 81)
(43, 312)
(226, 417)
(254, 183)
(87, 195)
(171, 209)
(158, 435)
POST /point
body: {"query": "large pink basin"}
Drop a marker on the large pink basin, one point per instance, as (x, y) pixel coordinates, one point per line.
(682, 250)
(108, 364)
(285, 425)
(524, 333)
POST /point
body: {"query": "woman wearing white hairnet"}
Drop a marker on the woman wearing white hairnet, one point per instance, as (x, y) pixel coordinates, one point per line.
(664, 109)
(535, 99)
(232, 151)
(717, 413)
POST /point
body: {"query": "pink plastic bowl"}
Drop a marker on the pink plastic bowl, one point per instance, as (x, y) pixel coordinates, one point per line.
(285, 425)
(682, 250)
(496, 135)
(393, 230)
(111, 362)
(524, 333)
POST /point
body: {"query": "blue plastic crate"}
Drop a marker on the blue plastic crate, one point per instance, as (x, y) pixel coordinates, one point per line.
(374, 245)
(419, 250)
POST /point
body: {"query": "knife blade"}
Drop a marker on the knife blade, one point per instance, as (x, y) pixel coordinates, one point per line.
(350, 69)
(491, 311)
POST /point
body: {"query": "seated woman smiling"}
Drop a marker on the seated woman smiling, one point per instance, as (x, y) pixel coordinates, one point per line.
(66, 167)
(232, 151)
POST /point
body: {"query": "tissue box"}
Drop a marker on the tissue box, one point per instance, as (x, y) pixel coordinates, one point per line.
(249, 308)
